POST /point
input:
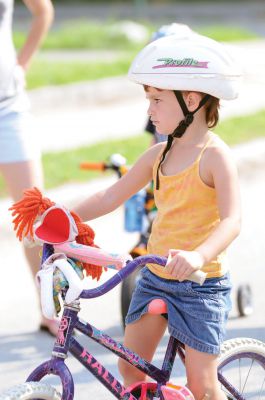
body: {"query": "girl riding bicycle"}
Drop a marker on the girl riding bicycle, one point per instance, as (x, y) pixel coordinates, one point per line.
(197, 196)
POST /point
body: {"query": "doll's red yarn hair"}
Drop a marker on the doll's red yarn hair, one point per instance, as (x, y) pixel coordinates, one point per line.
(32, 205)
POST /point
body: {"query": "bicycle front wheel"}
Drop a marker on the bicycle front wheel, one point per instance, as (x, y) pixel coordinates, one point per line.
(241, 369)
(31, 390)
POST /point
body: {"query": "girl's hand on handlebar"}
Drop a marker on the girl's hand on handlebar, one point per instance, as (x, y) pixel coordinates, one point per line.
(181, 264)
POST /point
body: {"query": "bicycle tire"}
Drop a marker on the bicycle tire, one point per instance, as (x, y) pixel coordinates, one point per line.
(31, 390)
(242, 363)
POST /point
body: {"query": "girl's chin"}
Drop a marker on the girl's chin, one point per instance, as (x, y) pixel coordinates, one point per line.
(162, 133)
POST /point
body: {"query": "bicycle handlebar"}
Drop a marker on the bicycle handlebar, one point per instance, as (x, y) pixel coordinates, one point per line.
(119, 262)
(117, 164)
(93, 166)
(197, 276)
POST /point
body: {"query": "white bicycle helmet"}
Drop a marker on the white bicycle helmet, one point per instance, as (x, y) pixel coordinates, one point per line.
(195, 63)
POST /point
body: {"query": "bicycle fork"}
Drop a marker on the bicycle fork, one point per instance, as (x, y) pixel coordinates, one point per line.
(56, 365)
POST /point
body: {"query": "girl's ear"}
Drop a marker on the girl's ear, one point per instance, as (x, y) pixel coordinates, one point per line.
(192, 100)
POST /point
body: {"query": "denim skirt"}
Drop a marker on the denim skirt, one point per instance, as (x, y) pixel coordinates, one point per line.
(196, 314)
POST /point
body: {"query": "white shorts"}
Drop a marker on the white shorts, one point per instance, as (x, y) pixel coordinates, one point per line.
(18, 139)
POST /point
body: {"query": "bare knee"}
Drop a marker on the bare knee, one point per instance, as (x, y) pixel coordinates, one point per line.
(129, 373)
(198, 390)
(202, 375)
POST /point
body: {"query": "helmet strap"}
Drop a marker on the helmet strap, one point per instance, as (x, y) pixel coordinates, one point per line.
(181, 128)
(170, 139)
(188, 115)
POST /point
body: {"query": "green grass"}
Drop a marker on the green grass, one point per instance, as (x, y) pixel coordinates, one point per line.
(81, 34)
(63, 167)
(242, 129)
(44, 73)
(69, 162)
(227, 33)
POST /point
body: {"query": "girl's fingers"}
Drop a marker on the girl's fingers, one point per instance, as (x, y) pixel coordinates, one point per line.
(169, 268)
(181, 274)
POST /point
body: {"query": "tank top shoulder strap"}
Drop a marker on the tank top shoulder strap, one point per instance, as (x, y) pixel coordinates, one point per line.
(158, 157)
(204, 148)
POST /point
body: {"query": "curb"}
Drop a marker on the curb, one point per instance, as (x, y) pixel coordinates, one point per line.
(83, 94)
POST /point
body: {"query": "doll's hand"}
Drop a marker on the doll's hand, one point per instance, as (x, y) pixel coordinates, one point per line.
(181, 264)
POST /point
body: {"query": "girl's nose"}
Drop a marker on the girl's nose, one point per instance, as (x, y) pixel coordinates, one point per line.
(149, 111)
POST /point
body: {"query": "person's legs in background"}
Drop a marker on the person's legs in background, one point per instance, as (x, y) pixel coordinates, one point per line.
(21, 168)
(18, 177)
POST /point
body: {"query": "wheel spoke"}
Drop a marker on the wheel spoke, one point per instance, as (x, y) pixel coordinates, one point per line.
(239, 372)
(250, 368)
(261, 390)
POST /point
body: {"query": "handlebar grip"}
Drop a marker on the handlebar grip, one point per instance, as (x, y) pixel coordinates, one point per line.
(92, 255)
(197, 277)
(93, 166)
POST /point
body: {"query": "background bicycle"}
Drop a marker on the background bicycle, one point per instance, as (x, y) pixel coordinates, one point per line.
(139, 213)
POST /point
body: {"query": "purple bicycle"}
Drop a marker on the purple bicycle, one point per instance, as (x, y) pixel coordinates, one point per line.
(241, 369)
(242, 356)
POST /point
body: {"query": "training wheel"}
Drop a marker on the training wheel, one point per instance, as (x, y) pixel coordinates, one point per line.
(244, 300)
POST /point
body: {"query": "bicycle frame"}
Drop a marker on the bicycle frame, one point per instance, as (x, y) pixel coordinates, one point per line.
(65, 342)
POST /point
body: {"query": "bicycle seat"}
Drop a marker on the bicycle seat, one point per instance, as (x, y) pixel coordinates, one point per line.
(157, 306)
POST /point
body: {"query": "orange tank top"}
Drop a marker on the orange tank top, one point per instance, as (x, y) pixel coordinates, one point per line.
(187, 213)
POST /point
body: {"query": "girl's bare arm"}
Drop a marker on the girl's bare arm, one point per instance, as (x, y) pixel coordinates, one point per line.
(42, 16)
(109, 199)
(225, 180)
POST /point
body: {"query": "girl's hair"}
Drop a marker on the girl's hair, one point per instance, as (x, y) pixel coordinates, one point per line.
(211, 109)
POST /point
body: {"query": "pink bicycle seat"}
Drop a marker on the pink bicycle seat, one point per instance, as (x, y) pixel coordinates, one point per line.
(157, 306)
